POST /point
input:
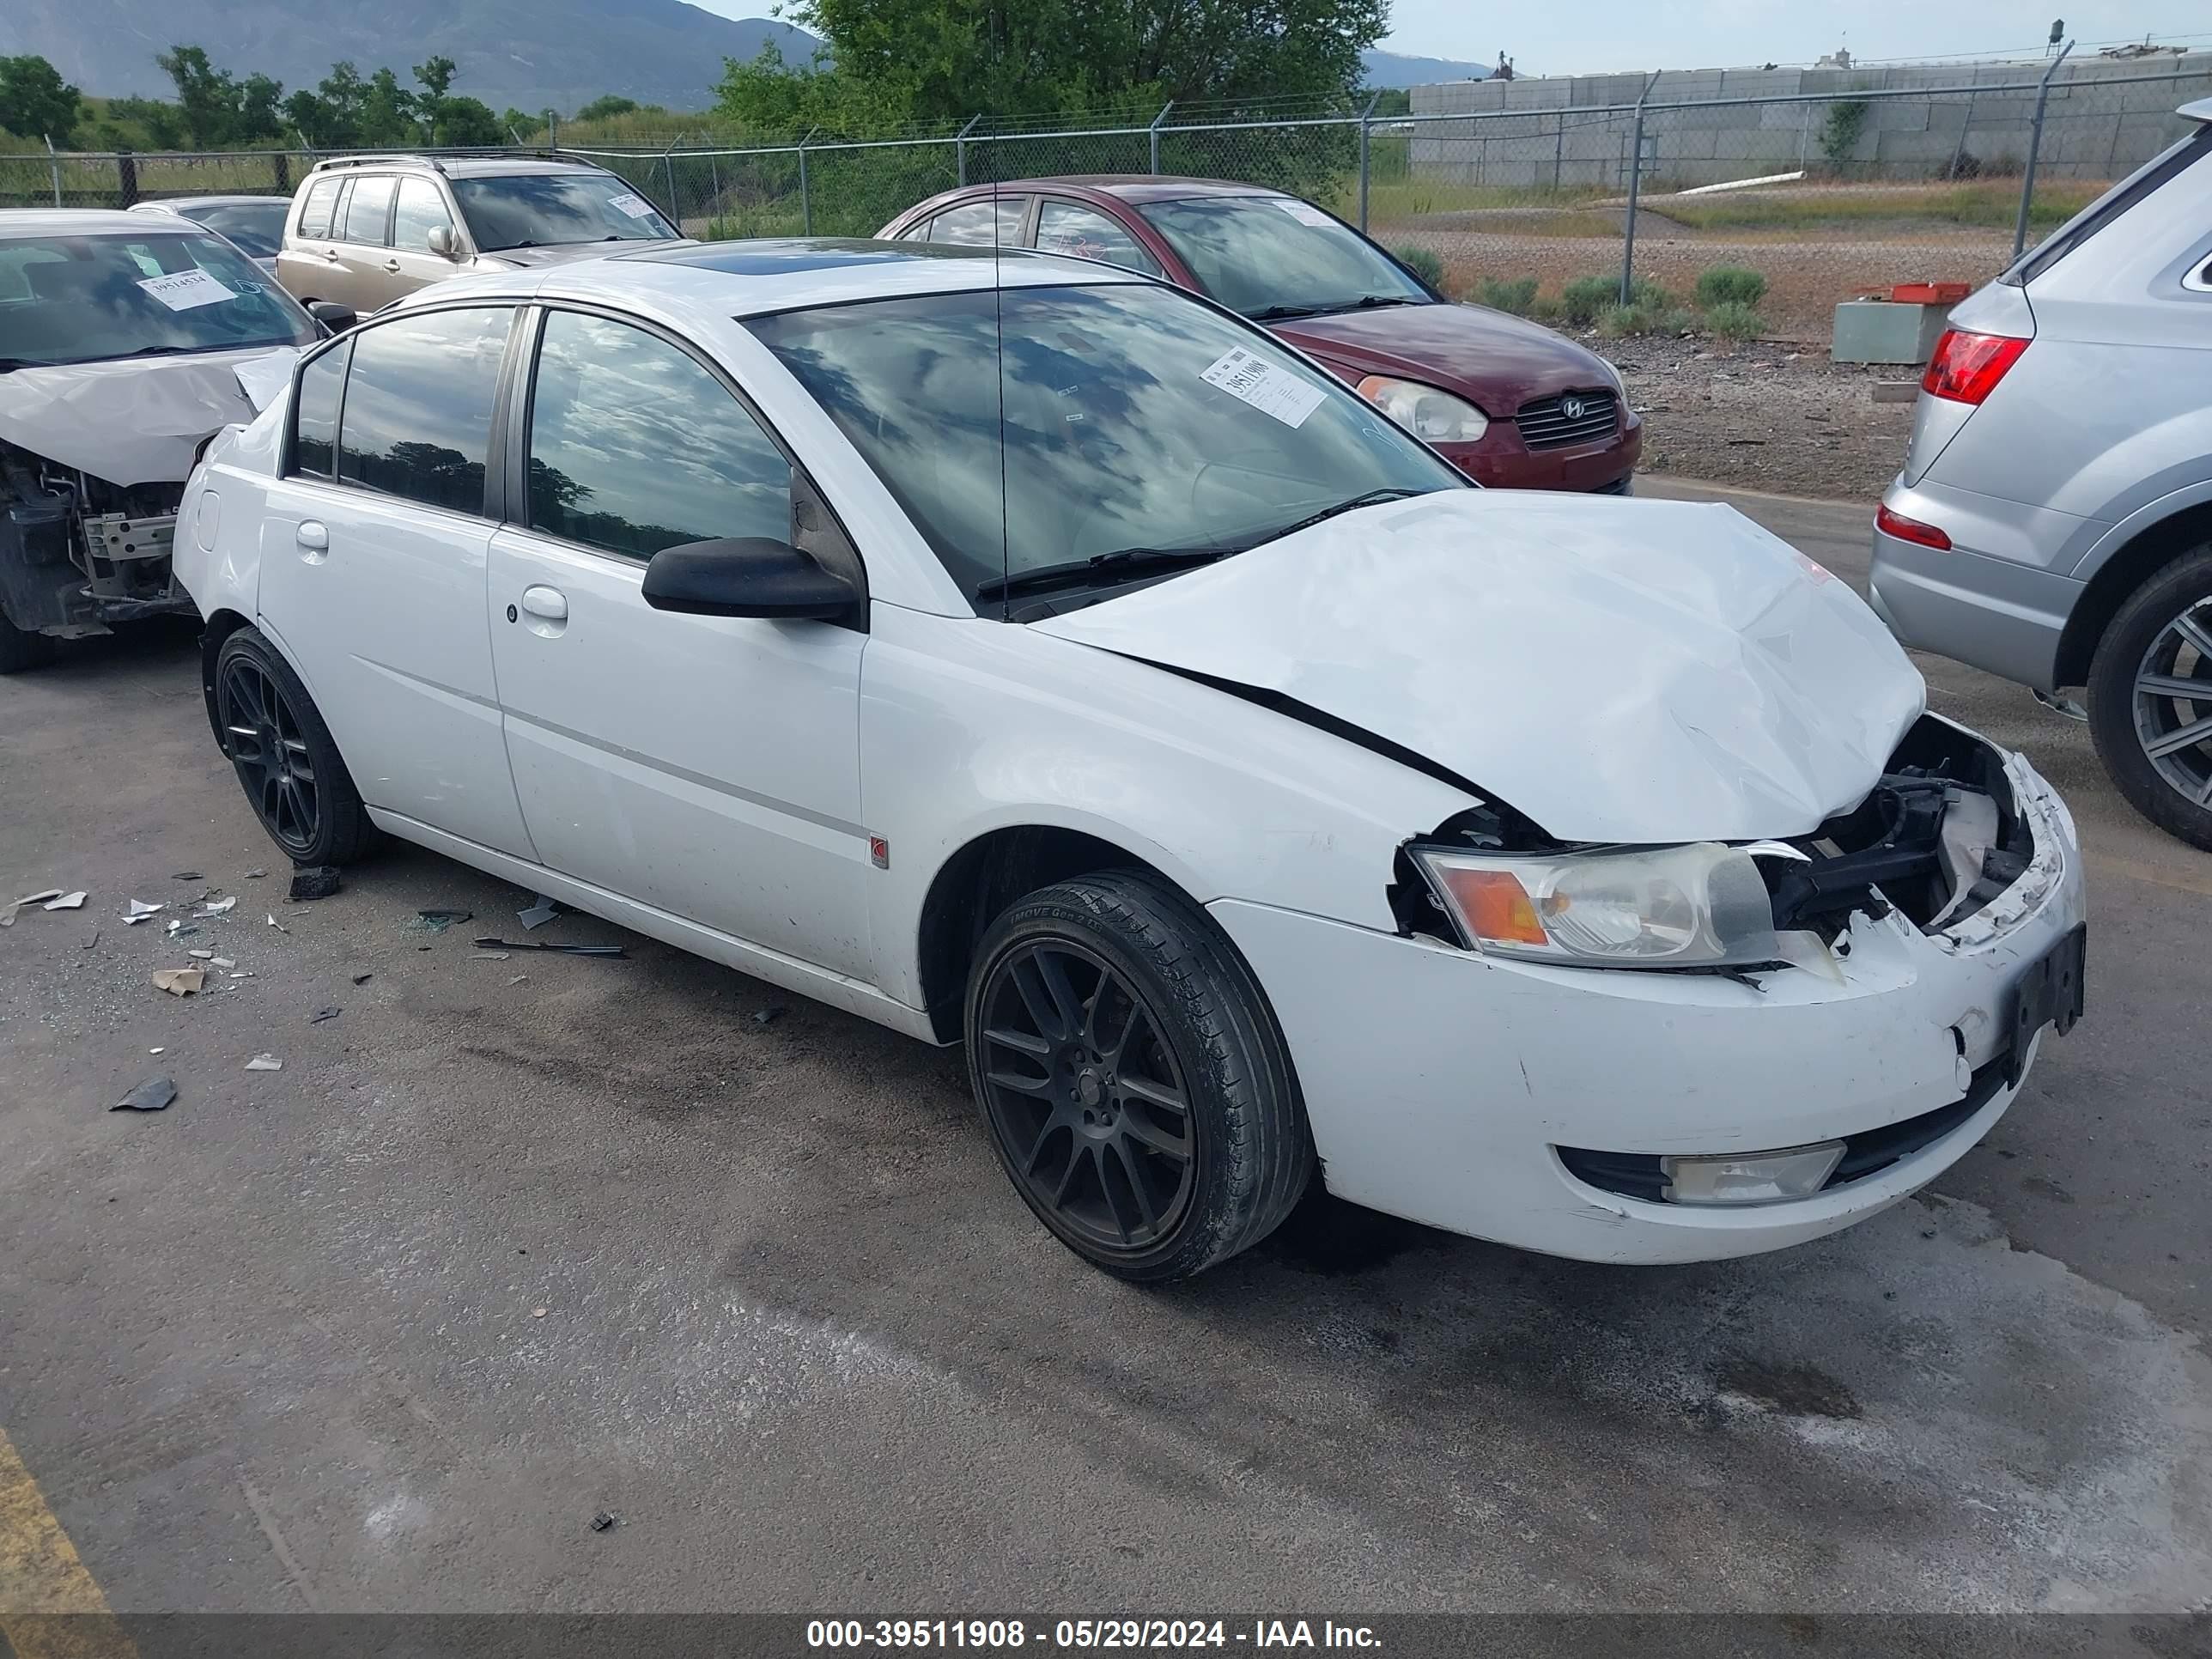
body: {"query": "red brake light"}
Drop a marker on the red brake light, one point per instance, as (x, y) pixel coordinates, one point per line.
(1966, 368)
(1911, 530)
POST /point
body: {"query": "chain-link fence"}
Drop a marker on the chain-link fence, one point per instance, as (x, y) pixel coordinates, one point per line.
(1595, 201)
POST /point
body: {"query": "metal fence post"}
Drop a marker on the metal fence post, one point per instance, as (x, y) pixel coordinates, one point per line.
(127, 178)
(2034, 144)
(668, 171)
(805, 199)
(281, 167)
(1366, 127)
(1153, 131)
(1635, 185)
(54, 166)
(960, 150)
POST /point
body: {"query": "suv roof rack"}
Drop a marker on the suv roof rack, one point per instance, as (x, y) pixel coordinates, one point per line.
(419, 158)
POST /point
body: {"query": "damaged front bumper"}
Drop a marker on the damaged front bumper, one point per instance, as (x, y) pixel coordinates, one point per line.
(67, 574)
(1534, 1105)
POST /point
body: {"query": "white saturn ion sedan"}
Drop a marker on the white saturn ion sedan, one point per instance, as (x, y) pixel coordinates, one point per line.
(1022, 654)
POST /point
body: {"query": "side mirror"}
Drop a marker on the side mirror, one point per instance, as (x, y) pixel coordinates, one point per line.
(333, 316)
(444, 243)
(749, 576)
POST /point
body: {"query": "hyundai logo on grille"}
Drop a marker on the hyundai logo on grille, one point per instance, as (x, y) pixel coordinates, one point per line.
(1571, 407)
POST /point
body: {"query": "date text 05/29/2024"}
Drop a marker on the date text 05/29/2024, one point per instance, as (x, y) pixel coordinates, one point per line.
(1085, 1634)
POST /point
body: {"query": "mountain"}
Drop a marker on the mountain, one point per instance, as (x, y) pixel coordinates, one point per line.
(1393, 68)
(533, 54)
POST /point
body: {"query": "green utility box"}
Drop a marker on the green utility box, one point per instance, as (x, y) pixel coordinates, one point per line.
(1885, 331)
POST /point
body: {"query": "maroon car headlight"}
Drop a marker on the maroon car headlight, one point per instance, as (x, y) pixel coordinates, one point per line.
(1432, 415)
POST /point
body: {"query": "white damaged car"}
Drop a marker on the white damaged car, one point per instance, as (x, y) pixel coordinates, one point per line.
(126, 341)
(1025, 655)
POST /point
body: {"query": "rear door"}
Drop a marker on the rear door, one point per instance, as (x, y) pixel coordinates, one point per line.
(304, 264)
(707, 766)
(361, 266)
(374, 545)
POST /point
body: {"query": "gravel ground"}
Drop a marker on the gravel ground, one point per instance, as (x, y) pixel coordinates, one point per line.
(1765, 415)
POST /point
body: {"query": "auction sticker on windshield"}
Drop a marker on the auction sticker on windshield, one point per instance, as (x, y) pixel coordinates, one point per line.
(1306, 213)
(183, 291)
(1266, 386)
(635, 205)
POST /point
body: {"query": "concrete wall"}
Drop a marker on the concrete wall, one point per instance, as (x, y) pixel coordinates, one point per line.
(2103, 120)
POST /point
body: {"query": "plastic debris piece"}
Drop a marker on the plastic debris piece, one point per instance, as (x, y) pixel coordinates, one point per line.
(217, 907)
(204, 956)
(322, 1014)
(313, 881)
(40, 898)
(539, 1313)
(89, 943)
(219, 962)
(187, 875)
(562, 950)
(265, 1063)
(157, 1051)
(769, 1014)
(153, 1094)
(139, 911)
(604, 1519)
(65, 901)
(363, 977)
(539, 914)
(241, 976)
(179, 981)
(278, 926)
(489, 956)
(436, 921)
(520, 979)
(255, 875)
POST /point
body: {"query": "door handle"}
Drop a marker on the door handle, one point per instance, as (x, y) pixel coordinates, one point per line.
(313, 536)
(547, 604)
(392, 266)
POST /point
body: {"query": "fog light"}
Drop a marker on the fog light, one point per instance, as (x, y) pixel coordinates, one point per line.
(1750, 1177)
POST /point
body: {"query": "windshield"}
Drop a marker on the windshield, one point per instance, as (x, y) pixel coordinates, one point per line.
(542, 210)
(93, 298)
(1135, 418)
(257, 227)
(1272, 256)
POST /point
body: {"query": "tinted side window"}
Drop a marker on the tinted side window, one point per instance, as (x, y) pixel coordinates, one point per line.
(973, 226)
(418, 405)
(634, 447)
(421, 210)
(1064, 227)
(367, 208)
(315, 214)
(315, 415)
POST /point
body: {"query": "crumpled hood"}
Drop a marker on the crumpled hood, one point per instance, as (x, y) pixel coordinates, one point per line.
(1619, 670)
(137, 420)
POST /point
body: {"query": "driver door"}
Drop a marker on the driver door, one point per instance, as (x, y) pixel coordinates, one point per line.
(707, 766)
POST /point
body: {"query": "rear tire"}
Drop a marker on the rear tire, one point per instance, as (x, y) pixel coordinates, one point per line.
(286, 760)
(1132, 1078)
(20, 650)
(2157, 644)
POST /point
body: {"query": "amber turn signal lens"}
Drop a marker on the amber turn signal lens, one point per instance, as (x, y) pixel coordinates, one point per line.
(1495, 905)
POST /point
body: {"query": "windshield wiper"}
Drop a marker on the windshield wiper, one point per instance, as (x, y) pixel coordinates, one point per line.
(1370, 498)
(1370, 301)
(1277, 314)
(1101, 567)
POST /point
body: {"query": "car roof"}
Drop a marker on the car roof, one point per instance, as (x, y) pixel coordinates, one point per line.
(2198, 109)
(71, 221)
(180, 203)
(1138, 187)
(455, 166)
(756, 277)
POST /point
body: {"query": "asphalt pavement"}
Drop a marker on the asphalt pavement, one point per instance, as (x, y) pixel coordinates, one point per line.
(505, 1246)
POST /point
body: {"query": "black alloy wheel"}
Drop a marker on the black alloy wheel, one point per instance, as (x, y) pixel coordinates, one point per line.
(1080, 1087)
(270, 750)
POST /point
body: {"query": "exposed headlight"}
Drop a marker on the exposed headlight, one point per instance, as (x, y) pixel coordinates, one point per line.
(1425, 412)
(1700, 906)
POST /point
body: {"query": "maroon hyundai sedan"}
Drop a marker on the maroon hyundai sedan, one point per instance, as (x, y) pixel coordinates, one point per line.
(1509, 402)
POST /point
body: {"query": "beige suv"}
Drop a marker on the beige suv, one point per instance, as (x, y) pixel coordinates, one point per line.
(365, 229)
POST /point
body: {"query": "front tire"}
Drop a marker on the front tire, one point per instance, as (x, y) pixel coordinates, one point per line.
(1132, 1078)
(20, 649)
(294, 777)
(2150, 699)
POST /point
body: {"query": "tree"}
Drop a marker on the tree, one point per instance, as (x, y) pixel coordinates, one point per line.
(465, 122)
(329, 118)
(388, 111)
(434, 77)
(605, 106)
(935, 60)
(35, 102)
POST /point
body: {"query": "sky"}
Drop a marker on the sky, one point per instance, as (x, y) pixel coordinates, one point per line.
(1594, 35)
